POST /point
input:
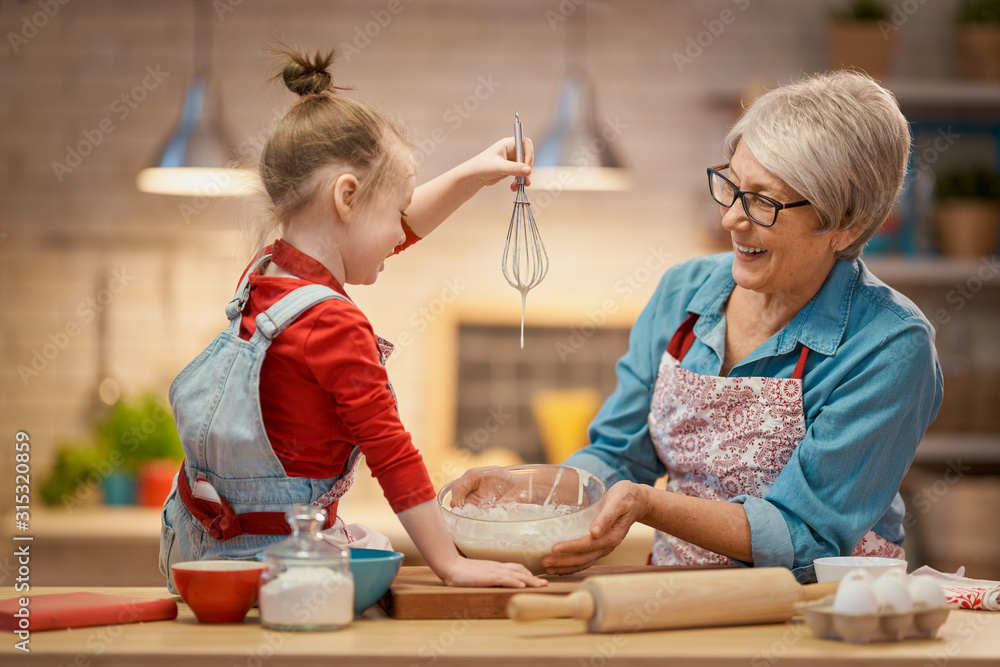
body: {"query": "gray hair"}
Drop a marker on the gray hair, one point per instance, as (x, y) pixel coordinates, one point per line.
(840, 140)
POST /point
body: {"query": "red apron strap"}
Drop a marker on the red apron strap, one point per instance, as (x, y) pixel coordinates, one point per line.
(801, 366)
(222, 523)
(683, 338)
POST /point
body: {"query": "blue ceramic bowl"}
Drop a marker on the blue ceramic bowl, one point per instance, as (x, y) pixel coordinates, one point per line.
(373, 571)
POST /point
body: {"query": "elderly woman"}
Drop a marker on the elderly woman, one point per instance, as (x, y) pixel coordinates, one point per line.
(781, 387)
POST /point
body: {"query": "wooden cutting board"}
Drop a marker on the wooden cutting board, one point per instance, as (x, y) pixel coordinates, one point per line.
(417, 593)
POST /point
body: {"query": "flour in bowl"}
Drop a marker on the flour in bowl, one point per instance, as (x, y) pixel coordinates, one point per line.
(516, 532)
(512, 511)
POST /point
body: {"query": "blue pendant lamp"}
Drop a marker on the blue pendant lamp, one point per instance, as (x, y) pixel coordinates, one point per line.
(196, 158)
(578, 152)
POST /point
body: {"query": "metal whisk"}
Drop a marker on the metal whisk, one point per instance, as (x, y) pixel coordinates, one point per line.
(526, 263)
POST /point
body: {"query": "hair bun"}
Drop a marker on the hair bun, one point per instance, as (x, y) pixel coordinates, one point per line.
(307, 76)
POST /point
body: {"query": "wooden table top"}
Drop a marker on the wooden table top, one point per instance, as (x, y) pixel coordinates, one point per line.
(967, 638)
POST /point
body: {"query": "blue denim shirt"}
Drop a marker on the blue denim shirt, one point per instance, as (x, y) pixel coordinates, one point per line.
(872, 385)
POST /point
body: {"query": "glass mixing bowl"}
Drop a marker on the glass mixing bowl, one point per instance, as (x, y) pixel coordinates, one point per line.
(517, 513)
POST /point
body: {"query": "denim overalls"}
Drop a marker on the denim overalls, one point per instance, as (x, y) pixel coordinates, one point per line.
(231, 493)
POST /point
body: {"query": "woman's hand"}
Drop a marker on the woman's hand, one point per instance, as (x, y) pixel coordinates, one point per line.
(500, 161)
(625, 504)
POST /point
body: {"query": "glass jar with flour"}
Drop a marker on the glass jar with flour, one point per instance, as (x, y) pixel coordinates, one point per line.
(308, 584)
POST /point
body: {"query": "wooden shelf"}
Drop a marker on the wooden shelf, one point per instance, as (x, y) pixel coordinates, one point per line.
(913, 94)
(970, 448)
(931, 271)
(948, 95)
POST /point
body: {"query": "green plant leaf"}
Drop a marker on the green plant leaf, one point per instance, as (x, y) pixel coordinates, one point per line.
(128, 435)
(969, 183)
(979, 11)
(862, 10)
(76, 465)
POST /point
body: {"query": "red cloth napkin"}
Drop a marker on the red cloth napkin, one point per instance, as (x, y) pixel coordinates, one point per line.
(78, 610)
(962, 592)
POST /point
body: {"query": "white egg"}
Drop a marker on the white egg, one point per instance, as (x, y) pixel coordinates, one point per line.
(858, 574)
(893, 593)
(926, 593)
(855, 596)
(895, 575)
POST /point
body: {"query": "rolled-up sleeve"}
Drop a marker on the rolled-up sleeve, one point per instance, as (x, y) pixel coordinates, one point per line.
(769, 537)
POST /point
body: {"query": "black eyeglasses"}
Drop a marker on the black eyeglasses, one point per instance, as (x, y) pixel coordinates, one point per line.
(761, 209)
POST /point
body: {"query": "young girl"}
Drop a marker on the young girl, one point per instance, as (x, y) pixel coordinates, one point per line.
(279, 408)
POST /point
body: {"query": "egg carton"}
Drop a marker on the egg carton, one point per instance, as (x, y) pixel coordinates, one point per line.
(825, 623)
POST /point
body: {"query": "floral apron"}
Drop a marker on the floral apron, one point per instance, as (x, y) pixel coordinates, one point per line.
(721, 437)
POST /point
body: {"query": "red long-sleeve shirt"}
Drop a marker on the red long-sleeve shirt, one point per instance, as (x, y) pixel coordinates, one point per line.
(323, 391)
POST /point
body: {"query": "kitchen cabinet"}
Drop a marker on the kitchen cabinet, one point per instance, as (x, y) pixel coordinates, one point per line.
(94, 545)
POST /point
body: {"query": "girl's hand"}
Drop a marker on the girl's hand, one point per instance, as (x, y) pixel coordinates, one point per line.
(481, 486)
(426, 528)
(625, 503)
(500, 161)
(468, 572)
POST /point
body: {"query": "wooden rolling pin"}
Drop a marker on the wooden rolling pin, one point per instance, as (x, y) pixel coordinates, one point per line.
(659, 601)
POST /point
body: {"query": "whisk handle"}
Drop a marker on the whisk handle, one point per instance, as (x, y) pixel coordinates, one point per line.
(518, 144)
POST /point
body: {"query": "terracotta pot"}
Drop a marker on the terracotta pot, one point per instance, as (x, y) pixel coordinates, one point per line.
(154, 481)
(967, 227)
(979, 51)
(862, 45)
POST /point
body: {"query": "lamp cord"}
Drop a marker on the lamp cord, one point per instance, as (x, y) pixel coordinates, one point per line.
(202, 38)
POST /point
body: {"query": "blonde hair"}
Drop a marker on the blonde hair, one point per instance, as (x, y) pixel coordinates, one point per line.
(840, 140)
(324, 131)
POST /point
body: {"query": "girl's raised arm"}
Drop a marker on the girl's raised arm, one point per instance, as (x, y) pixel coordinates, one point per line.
(437, 199)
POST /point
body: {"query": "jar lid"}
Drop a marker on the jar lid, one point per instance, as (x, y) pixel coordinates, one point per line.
(306, 543)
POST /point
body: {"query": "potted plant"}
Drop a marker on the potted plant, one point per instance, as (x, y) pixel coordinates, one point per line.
(73, 480)
(967, 213)
(132, 454)
(978, 37)
(858, 38)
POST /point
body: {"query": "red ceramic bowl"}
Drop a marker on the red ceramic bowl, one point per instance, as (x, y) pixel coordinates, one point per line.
(218, 591)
